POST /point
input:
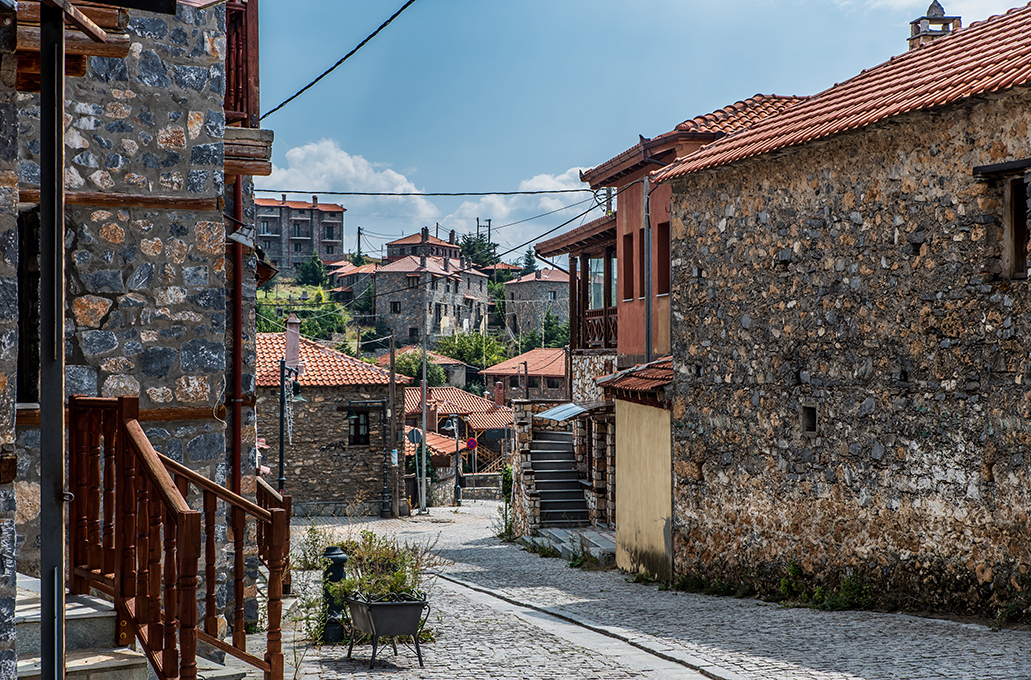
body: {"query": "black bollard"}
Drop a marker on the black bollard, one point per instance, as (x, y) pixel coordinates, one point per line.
(334, 561)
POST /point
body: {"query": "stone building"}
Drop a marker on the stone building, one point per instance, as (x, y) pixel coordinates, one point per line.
(537, 374)
(455, 371)
(334, 464)
(423, 244)
(291, 231)
(530, 298)
(156, 298)
(488, 421)
(849, 306)
(444, 296)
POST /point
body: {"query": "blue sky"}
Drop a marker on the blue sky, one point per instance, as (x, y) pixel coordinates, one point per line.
(504, 95)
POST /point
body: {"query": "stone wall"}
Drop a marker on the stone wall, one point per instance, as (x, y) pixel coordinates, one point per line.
(146, 288)
(526, 506)
(850, 387)
(456, 316)
(528, 302)
(325, 473)
(587, 365)
(597, 462)
(9, 342)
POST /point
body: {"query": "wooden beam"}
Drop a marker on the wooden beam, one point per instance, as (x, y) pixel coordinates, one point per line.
(109, 18)
(75, 43)
(29, 64)
(79, 19)
(30, 417)
(103, 199)
(1012, 167)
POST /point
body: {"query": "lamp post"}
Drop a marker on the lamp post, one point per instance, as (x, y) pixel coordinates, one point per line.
(453, 425)
(384, 511)
(284, 372)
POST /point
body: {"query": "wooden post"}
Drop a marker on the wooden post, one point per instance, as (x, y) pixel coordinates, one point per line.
(210, 619)
(170, 661)
(279, 544)
(189, 554)
(93, 497)
(111, 427)
(239, 632)
(125, 538)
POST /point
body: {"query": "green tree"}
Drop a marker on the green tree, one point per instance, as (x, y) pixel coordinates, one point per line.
(358, 259)
(529, 340)
(555, 334)
(497, 294)
(528, 261)
(410, 364)
(478, 249)
(266, 320)
(323, 321)
(364, 305)
(474, 349)
(312, 272)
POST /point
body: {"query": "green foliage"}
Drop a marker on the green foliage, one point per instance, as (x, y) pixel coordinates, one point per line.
(410, 364)
(496, 291)
(322, 321)
(269, 285)
(474, 349)
(312, 272)
(582, 558)
(357, 259)
(366, 303)
(851, 594)
(506, 483)
(478, 249)
(528, 261)
(543, 549)
(555, 334)
(528, 341)
(379, 565)
(266, 321)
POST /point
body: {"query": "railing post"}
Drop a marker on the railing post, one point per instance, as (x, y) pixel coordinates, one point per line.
(189, 555)
(125, 518)
(210, 617)
(77, 511)
(280, 535)
(239, 527)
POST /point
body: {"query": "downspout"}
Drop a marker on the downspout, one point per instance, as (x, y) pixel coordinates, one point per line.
(647, 272)
(237, 394)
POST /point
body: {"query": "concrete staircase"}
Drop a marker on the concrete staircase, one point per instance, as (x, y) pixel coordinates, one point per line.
(557, 480)
(90, 636)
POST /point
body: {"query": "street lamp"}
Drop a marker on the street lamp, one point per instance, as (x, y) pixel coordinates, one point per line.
(452, 424)
(384, 511)
(295, 395)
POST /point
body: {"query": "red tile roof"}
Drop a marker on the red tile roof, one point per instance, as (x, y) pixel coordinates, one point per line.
(595, 232)
(298, 205)
(984, 57)
(543, 361)
(323, 367)
(434, 265)
(478, 413)
(439, 359)
(707, 128)
(501, 266)
(435, 444)
(642, 377)
(417, 238)
(547, 276)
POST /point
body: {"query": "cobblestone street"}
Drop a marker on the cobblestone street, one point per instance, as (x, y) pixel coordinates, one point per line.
(501, 612)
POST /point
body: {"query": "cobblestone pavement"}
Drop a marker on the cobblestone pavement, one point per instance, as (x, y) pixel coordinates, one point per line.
(724, 637)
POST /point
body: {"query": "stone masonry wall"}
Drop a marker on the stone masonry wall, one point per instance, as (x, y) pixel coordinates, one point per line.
(860, 277)
(146, 288)
(527, 304)
(9, 343)
(456, 317)
(325, 474)
(526, 506)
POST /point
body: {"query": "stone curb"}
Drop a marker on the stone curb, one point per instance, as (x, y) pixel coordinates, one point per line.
(644, 642)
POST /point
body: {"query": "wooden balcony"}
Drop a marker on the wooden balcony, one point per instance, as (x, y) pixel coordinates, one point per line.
(598, 329)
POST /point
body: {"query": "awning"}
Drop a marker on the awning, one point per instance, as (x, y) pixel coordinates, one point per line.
(571, 410)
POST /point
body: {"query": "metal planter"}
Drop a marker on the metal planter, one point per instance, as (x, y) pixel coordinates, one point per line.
(393, 614)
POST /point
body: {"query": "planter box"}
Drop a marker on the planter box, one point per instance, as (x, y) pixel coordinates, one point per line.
(394, 615)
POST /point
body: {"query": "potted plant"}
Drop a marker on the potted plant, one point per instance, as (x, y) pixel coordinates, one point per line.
(384, 589)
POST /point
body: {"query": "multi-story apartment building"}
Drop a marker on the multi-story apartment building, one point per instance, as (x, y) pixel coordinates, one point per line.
(290, 231)
(423, 244)
(530, 298)
(443, 295)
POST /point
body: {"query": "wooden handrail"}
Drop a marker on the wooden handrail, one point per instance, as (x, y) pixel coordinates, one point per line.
(269, 489)
(170, 496)
(220, 492)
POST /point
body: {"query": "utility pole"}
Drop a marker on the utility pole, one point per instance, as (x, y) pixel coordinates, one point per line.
(477, 228)
(422, 477)
(359, 241)
(393, 431)
(437, 231)
(488, 232)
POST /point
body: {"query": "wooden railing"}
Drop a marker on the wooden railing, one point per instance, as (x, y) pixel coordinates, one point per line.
(135, 538)
(599, 328)
(241, 102)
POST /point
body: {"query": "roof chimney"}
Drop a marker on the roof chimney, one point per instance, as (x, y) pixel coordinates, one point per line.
(451, 238)
(537, 274)
(461, 261)
(499, 393)
(422, 261)
(431, 416)
(315, 201)
(284, 198)
(931, 26)
(425, 234)
(447, 263)
(293, 341)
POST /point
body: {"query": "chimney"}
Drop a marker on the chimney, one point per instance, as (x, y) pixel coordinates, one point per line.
(425, 234)
(447, 264)
(931, 26)
(284, 199)
(537, 275)
(451, 238)
(422, 261)
(293, 341)
(499, 393)
(431, 417)
(315, 201)
(461, 261)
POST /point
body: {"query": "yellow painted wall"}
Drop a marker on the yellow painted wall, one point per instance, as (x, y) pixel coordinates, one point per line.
(644, 539)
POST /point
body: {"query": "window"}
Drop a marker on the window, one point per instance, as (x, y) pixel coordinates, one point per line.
(596, 290)
(267, 245)
(360, 428)
(662, 247)
(469, 302)
(554, 383)
(329, 234)
(534, 381)
(1018, 234)
(413, 281)
(513, 382)
(401, 252)
(433, 283)
(329, 250)
(297, 247)
(413, 333)
(640, 268)
(266, 227)
(481, 284)
(627, 258)
(807, 416)
(447, 286)
(551, 295)
(395, 307)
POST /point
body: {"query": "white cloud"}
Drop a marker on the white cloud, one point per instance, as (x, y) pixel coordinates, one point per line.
(969, 10)
(324, 166)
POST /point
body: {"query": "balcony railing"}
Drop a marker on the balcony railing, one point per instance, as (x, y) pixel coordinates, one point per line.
(599, 328)
(241, 101)
(135, 538)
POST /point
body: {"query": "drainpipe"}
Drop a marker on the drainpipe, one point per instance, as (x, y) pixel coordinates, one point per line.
(647, 272)
(237, 396)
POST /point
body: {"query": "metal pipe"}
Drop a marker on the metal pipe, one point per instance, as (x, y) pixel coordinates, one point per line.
(648, 301)
(52, 359)
(458, 464)
(384, 505)
(237, 397)
(422, 477)
(282, 422)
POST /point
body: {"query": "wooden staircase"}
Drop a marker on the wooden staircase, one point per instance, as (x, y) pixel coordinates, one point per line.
(557, 480)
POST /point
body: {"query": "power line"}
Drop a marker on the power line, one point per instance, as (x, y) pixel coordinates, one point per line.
(417, 193)
(342, 59)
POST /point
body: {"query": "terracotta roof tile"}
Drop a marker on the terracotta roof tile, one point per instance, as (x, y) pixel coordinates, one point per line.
(298, 205)
(478, 413)
(642, 377)
(543, 361)
(417, 238)
(323, 367)
(984, 57)
(547, 276)
(435, 444)
(434, 265)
